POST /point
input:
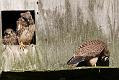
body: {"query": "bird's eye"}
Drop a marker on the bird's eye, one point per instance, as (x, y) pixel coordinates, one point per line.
(11, 31)
(6, 33)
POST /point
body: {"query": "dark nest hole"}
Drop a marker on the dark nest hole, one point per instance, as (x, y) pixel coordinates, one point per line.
(9, 19)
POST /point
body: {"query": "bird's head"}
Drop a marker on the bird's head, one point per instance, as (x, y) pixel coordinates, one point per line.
(105, 58)
(8, 32)
(27, 17)
(106, 55)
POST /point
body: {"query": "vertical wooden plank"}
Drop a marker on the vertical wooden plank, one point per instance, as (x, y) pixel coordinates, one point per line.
(0, 43)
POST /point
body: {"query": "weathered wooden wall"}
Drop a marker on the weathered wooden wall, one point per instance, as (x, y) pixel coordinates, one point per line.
(61, 26)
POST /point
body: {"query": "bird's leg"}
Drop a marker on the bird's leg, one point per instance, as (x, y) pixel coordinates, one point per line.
(93, 61)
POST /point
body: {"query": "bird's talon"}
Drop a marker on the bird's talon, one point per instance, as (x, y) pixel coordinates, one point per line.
(22, 46)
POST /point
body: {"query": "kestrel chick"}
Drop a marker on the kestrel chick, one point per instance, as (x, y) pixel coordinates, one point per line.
(25, 29)
(10, 37)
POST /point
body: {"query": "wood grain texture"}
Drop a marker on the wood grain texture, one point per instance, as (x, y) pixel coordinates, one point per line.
(61, 26)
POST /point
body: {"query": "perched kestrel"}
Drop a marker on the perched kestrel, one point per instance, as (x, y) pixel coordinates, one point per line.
(89, 51)
(10, 37)
(25, 29)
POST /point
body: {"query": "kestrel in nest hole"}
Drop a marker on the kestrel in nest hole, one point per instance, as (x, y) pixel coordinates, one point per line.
(10, 37)
(25, 29)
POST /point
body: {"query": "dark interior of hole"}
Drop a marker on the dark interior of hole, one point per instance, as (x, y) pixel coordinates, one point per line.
(9, 19)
